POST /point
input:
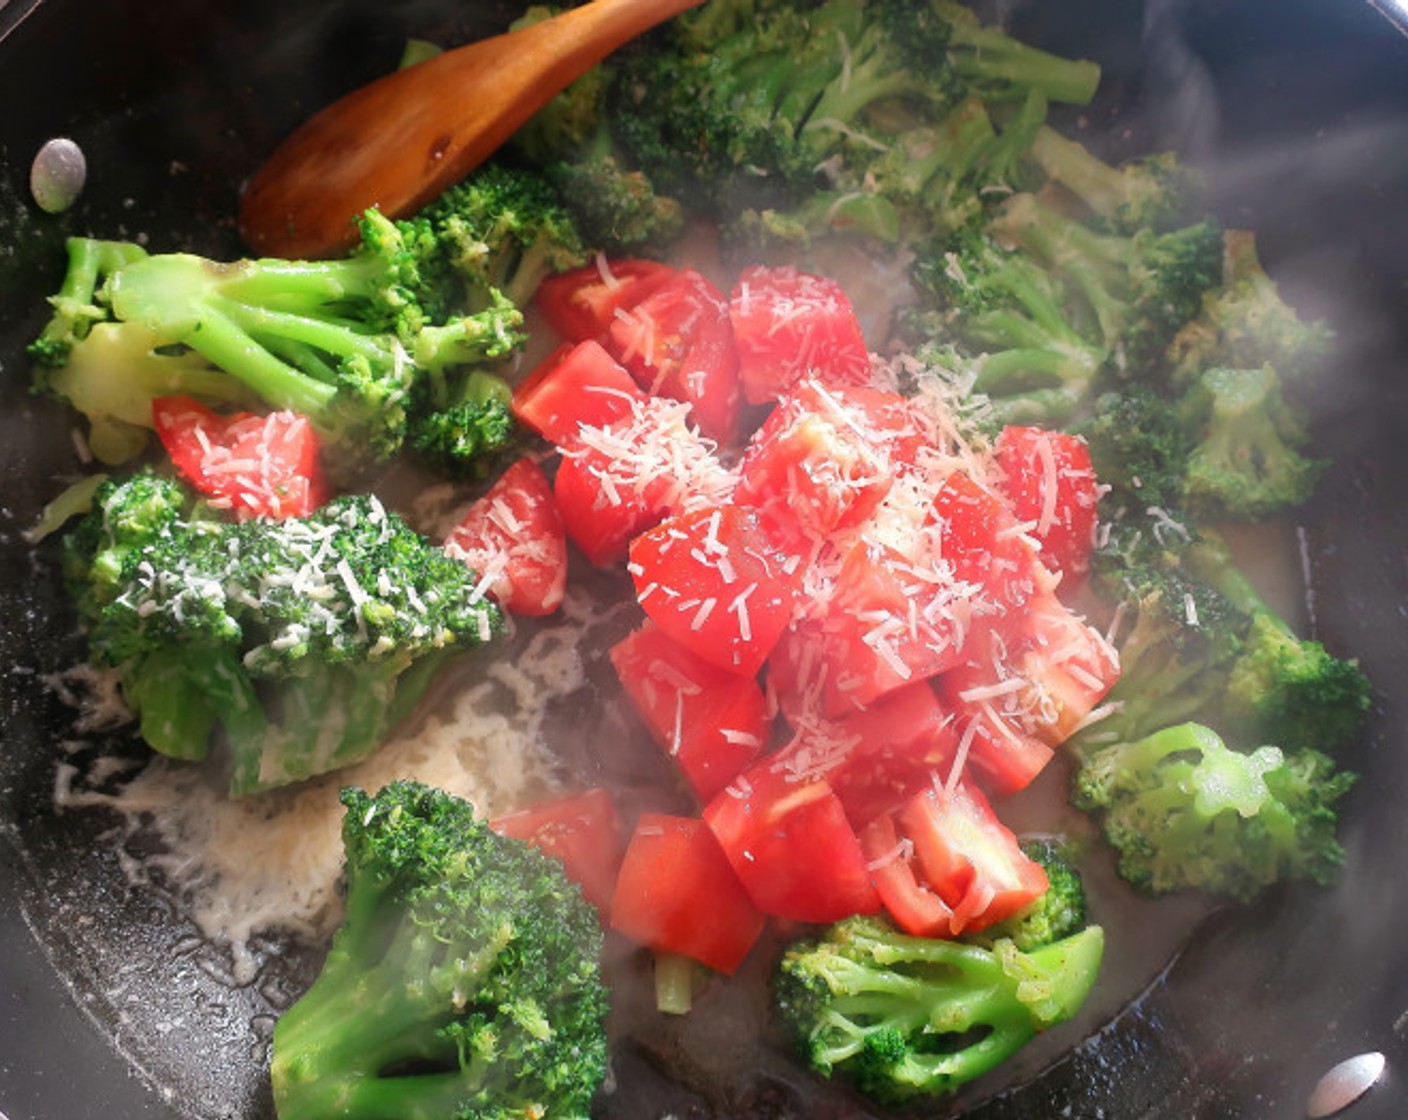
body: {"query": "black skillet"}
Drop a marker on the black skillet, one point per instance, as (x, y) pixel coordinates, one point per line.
(1298, 109)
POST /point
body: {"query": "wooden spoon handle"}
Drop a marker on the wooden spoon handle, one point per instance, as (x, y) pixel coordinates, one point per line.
(399, 141)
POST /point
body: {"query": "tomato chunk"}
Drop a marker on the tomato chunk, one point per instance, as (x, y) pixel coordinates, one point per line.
(514, 539)
(1038, 680)
(877, 758)
(581, 303)
(1049, 480)
(582, 830)
(618, 480)
(677, 342)
(255, 466)
(677, 893)
(984, 543)
(967, 857)
(826, 457)
(789, 325)
(713, 580)
(712, 722)
(906, 897)
(792, 847)
(577, 384)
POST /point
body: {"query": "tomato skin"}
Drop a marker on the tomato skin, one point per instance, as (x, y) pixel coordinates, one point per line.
(677, 893)
(516, 530)
(788, 325)
(714, 581)
(916, 909)
(581, 303)
(283, 478)
(982, 540)
(874, 759)
(577, 384)
(677, 342)
(1048, 478)
(1043, 674)
(582, 830)
(968, 857)
(792, 847)
(826, 457)
(712, 723)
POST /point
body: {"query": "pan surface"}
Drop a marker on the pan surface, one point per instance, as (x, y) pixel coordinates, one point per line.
(1298, 111)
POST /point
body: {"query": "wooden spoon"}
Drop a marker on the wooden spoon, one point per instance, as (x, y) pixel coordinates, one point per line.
(401, 140)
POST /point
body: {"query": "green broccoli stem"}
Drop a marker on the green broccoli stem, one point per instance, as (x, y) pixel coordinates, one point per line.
(997, 63)
(90, 262)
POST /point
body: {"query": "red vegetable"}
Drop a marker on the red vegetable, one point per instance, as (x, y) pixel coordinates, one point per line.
(677, 894)
(513, 537)
(714, 581)
(583, 831)
(712, 722)
(255, 466)
(789, 325)
(1048, 478)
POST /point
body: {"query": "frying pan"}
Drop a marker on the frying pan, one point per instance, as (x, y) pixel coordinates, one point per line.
(1298, 112)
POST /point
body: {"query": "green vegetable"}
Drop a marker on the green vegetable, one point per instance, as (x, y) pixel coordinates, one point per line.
(1187, 812)
(907, 1018)
(464, 984)
(303, 640)
(1246, 463)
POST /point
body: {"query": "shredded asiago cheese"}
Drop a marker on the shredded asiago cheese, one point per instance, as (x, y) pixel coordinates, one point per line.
(241, 868)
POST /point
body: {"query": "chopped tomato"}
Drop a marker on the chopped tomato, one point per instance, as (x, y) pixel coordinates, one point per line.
(712, 722)
(825, 457)
(577, 384)
(677, 893)
(1028, 688)
(255, 466)
(889, 623)
(678, 343)
(984, 544)
(908, 900)
(789, 325)
(715, 582)
(793, 848)
(583, 831)
(514, 539)
(875, 759)
(1048, 478)
(968, 857)
(581, 303)
(621, 479)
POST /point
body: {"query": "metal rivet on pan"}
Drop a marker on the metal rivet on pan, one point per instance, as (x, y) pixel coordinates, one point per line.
(1345, 1084)
(57, 175)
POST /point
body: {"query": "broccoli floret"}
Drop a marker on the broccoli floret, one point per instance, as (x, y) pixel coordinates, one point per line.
(1059, 913)
(110, 371)
(503, 230)
(1245, 464)
(340, 341)
(1150, 192)
(791, 236)
(616, 207)
(792, 98)
(942, 176)
(1187, 812)
(468, 432)
(464, 983)
(1138, 448)
(303, 640)
(1245, 323)
(1139, 288)
(905, 1018)
(1293, 691)
(1009, 313)
(984, 59)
